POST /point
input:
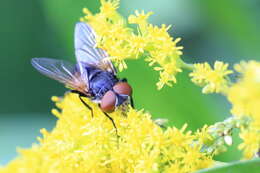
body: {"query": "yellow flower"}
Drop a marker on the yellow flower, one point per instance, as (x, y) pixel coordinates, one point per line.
(139, 18)
(108, 7)
(204, 136)
(212, 80)
(194, 156)
(245, 98)
(80, 143)
(251, 141)
(167, 74)
(144, 41)
(245, 94)
(138, 45)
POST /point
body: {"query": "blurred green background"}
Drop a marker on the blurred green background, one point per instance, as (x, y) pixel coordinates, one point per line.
(210, 30)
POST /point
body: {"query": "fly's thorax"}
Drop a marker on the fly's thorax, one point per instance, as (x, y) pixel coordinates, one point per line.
(101, 82)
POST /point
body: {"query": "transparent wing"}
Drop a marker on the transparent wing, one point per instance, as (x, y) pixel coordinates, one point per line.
(61, 71)
(86, 50)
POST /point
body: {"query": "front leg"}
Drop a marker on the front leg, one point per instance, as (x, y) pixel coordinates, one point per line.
(131, 97)
(82, 101)
(132, 101)
(112, 120)
(90, 108)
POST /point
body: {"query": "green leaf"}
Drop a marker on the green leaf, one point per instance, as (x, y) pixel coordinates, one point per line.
(251, 166)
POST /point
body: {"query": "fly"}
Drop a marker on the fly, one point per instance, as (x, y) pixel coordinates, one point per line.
(94, 76)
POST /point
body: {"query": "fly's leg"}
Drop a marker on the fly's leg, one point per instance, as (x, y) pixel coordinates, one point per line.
(131, 98)
(90, 108)
(132, 102)
(111, 119)
(85, 104)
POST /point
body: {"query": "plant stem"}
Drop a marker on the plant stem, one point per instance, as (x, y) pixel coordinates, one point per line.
(187, 66)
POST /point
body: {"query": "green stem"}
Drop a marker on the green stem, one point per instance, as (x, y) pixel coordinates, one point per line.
(187, 66)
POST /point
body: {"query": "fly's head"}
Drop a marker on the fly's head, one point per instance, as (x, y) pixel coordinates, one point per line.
(120, 94)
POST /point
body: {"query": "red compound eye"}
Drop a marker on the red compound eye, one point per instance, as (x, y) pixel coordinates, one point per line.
(108, 102)
(123, 88)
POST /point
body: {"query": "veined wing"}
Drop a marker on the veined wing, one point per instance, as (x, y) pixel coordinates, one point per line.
(86, 50)
(61, 71)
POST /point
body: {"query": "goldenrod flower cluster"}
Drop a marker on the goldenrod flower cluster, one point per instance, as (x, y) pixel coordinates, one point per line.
(245, 98)
(136, 38)
(212, 80)
(244, 94)
(80, 143)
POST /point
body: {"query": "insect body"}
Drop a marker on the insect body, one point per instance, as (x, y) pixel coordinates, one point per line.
(93, 76)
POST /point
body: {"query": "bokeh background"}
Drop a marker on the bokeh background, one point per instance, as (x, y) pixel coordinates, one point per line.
(210, 30)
